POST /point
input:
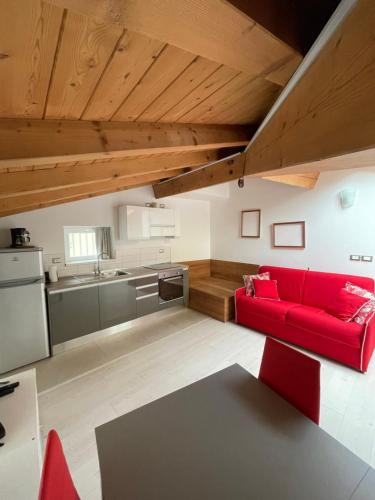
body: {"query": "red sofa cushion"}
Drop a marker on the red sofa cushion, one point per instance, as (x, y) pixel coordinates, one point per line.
(269, 309)
(265, 289)
(317, 321)
(321, 288)
(290, 282)
(346, 305)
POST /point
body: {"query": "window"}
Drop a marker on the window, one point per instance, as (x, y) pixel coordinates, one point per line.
(85, 243)
(80, 244)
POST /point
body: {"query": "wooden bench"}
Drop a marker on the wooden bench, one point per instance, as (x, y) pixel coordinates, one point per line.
(213, 283)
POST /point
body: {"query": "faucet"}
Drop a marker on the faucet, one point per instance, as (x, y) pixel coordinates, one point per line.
(98, 271)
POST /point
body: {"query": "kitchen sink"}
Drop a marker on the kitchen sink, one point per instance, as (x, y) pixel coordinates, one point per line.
(103, 275)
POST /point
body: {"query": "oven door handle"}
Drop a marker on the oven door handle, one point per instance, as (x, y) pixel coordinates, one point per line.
(172, 279)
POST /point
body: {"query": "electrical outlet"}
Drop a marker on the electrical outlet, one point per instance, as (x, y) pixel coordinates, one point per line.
(366, 258)
(56, 260)
(161, 250)
(355, 257)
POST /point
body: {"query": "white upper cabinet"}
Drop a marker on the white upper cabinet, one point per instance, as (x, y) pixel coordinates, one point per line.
(134, 223)
(162, 217)
(143, 223)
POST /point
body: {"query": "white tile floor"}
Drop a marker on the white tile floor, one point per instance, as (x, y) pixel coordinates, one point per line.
(117, 374)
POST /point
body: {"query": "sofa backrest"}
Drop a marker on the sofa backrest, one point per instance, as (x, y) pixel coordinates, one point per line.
(290, 282)
(321, 288)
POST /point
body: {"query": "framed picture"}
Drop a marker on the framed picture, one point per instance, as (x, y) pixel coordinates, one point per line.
(289, 234)
(250, 223)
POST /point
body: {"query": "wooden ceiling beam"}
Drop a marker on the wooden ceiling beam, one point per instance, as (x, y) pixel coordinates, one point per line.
(213, 29)
(26, 202)
(73, 174)
(326, 120)
(42, 142)
(216, 173)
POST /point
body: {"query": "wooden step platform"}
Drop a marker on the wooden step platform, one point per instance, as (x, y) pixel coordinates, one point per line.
(213, 284)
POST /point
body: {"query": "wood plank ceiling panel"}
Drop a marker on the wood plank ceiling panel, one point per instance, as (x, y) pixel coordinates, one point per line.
(208, 87)
(196, 73)
(250, 107)
(213, 29)
(167, 67)
(85, 49)
(241, 97)
(133, 56)
(29, 31)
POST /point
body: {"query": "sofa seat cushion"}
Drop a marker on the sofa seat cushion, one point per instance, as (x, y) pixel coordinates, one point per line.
(273, 309)
(319, 322)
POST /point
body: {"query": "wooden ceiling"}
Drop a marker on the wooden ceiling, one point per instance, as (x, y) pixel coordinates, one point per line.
(176, 80)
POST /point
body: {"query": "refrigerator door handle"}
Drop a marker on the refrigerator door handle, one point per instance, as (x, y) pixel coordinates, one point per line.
(23, 282)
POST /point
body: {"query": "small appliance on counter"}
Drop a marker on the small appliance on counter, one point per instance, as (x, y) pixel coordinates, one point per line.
(20, 237)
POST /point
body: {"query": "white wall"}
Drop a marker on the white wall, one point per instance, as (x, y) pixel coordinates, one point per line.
(46, 225)
(332, 233)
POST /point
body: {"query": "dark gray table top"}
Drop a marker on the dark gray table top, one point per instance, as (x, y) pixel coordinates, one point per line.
(225, 437)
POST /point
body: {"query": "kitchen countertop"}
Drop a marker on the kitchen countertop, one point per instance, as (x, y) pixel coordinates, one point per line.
(71, 282)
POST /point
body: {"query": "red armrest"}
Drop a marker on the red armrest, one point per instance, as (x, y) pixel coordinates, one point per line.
(239, 292)
(368, 343)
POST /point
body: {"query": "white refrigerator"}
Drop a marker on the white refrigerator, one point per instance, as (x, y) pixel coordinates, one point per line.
(23, 317)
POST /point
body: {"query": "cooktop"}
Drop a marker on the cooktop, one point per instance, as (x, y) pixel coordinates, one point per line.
(164, 265)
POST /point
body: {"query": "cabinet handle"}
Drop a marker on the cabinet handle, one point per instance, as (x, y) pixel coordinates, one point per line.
(147, 296)
(146, 286)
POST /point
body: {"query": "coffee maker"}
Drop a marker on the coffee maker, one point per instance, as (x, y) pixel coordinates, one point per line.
(20, 237)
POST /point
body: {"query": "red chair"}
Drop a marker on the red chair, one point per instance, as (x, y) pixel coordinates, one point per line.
(293, 375)
(56, 482)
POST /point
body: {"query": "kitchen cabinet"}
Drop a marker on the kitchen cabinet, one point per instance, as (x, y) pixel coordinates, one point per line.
(117, 303)
(73, 313)
(143, 223)
(147, 305)
(161, 217)
(134, 223)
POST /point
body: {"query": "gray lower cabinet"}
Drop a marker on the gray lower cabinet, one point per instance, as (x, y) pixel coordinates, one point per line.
(73, 313)
(147, 304)
(117, 303)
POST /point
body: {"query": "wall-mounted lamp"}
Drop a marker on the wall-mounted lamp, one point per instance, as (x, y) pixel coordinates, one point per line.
(348, 197)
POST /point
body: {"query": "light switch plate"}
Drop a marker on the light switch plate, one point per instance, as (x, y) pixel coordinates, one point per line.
(366, 258)
(355, 257)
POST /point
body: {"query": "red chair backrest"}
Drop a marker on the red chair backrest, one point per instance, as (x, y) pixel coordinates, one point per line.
(293, 375)
(56, 482)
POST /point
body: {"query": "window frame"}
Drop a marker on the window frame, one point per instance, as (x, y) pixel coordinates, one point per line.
(82, 259)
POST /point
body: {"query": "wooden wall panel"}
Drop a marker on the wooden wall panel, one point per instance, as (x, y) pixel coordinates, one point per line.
(133, 56)
(232, 271)
(85, 48)
(198, 269)
(29, 31)
(166, 68)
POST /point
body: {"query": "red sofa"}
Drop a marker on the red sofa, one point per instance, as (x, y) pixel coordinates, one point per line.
(299, 317)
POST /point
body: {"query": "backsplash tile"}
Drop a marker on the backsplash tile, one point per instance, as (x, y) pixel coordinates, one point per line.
(125, 258)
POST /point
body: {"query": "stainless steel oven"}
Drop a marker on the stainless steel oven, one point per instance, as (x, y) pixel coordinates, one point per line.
(171, 285)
